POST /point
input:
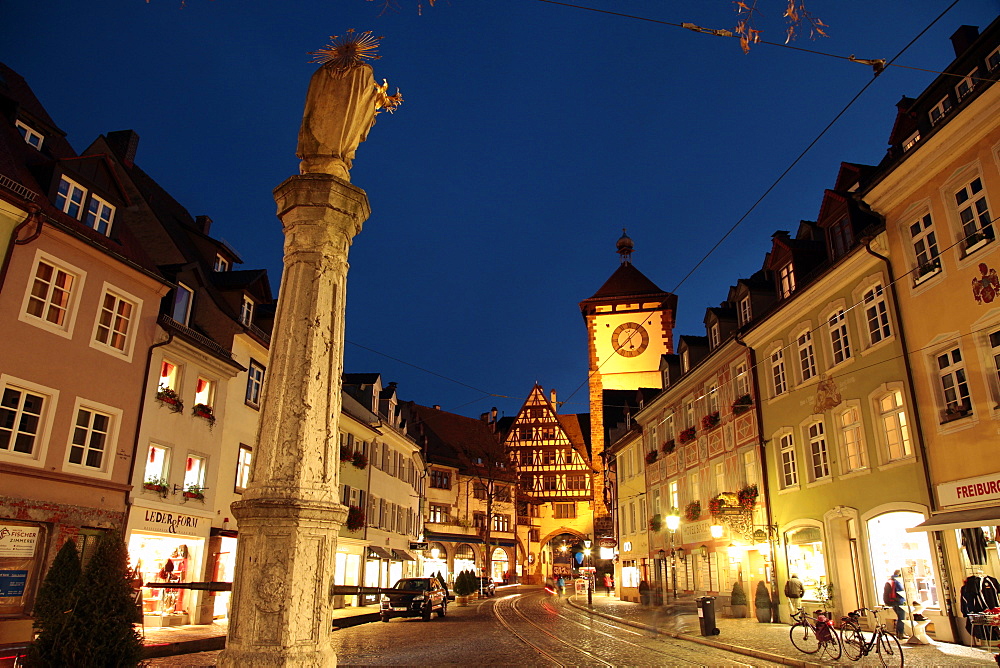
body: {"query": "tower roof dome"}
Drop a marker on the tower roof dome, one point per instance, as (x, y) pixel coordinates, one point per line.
(625, 247)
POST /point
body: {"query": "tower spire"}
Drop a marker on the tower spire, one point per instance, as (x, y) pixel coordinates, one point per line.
(625, 247)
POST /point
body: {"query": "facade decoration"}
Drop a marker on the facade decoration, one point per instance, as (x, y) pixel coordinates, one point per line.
(986, 286)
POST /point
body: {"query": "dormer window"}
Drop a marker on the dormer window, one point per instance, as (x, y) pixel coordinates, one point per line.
(32, 137)
(993, 60)
(100, 215)
(221, 264)
(939, 110)
(181, 310)
(786, 280)
(746, 312)
(713, 335)
(70, 196)
(911, 141)
(966, 85)
(841, 237)
(246, 312)
(685, 361)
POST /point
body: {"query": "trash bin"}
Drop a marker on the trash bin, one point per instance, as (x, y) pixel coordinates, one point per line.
(706, 616)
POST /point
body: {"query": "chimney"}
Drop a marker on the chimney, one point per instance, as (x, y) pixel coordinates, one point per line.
(493, 415)
(963, 39)
(552, 398)
(124, 143)
(203, 224)
(437, 407)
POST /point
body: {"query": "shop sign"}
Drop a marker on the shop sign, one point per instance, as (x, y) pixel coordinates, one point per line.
(17, 540)
(419, 546)
(12, 583)
(607, 541)
(156, 520)
(969, 490)
(697, 532)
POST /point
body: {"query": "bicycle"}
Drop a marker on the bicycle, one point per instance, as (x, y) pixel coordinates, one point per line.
(815, 634)
(885, 644)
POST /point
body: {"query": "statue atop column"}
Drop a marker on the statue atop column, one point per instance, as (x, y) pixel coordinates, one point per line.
(341, 105)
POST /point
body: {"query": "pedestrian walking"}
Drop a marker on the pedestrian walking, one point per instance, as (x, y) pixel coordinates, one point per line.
(560, 583)
(894, 595)
(794, 589)
(609, 583)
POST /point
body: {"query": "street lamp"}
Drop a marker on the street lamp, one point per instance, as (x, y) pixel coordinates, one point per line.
(673, 523)
(590, 579)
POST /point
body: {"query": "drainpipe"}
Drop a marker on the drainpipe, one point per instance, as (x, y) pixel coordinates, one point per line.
(921, 445)
(33, 213)
(775, 601)
(138, 425)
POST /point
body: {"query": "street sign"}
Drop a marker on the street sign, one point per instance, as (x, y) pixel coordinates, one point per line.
(419, 546)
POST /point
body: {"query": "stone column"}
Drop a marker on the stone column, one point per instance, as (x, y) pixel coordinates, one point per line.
(291, 513)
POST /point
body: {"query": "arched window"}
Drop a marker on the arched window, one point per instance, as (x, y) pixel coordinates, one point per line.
(892, 548)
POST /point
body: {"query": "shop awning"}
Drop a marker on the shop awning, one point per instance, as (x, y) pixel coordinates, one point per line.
(960, 519)
(402, 555)
(375, 552)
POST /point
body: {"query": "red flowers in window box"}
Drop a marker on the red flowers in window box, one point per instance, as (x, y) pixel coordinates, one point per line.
(359, 459)
(687, 435)
(742, 404)
(692, 511)
(169, 397)
(205, 412)
(710, 421)
(355, 519)
(651, 456)
(668, 446)
(747, 497)
(716, 505)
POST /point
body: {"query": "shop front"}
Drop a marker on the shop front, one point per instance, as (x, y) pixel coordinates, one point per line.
(435, 561)
(804, 553)
(22, 548)
(347, 570)
(168, 548)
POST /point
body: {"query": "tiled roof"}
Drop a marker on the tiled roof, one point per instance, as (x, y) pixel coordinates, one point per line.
(627, 281)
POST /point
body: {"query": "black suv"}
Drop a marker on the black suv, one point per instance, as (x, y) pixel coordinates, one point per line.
(414, 597)
(486, 586)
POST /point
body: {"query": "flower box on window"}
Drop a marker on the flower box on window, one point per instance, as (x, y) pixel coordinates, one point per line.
(651, 456)
(655, 523)
(957, 412)
(355, 519)
(668, 446)
(205, 412)
(715, 505)
(345, 453)
(747, 497)
(158, 485)
(169, 397)
(692, 511)
(195, 492)
(359, 459)
(710, 421)
(927, 270)
(742, 404)
(687, 435)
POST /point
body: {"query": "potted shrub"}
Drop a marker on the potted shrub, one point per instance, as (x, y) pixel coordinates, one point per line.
(158, 485)
(464, 586)
(205, 412)
(738, 600)
(169, 397)
(762, 603)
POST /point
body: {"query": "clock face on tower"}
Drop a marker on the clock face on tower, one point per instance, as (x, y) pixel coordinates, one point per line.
(630, 339)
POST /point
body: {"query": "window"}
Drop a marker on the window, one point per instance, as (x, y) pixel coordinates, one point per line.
(32, 137)
(685, 361)
(21, 415)
(440, 479)
(750, 467)
(974, 213)
(876, 315)
(720, 478)
(689, 413)
(51, 296)
(894, 425)
(939, 110)
(438, 514)
(221, 264)
(194, 472)
(713, 398)
(70, 196)
(183, 297)
(778, 372)
(786, 280)
(243, 460)
(204, 393)
(818, 455)
(954, 384)
(631, 516)
(500, 493)
(851, 437)
(169, 375)
(838, 337)
(995, 352)
(674, 494)
(789, 469)
(479, 519)
(255, 384)
(100, 215)
(967, 84)
(925, 248)
(501, 523)
(114, 322)
(564, 511)
(746, 313)
(479, 490)
(911, 141)
(841, 236)
(713, 335)
(576, 481)
(90, 438)
(157, 465)
(694, 487)
(246, 312)
(807, 357)
(993, 60)
(742, 376)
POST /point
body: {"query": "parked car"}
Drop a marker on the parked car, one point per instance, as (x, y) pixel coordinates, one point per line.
(414, 597)
(487, 587)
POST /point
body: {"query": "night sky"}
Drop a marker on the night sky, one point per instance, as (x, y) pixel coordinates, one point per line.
(530, 135)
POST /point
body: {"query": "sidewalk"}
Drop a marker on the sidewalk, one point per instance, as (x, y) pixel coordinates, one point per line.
(763, 641)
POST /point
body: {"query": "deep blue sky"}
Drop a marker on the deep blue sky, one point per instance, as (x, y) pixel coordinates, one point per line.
(530, 135)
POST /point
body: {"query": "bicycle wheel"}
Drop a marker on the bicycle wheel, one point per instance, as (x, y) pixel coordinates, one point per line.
(889, 651)
(832, 647)
(803, 636)
(854, 642)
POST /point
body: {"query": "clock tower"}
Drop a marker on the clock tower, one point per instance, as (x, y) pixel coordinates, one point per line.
(630, 323)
